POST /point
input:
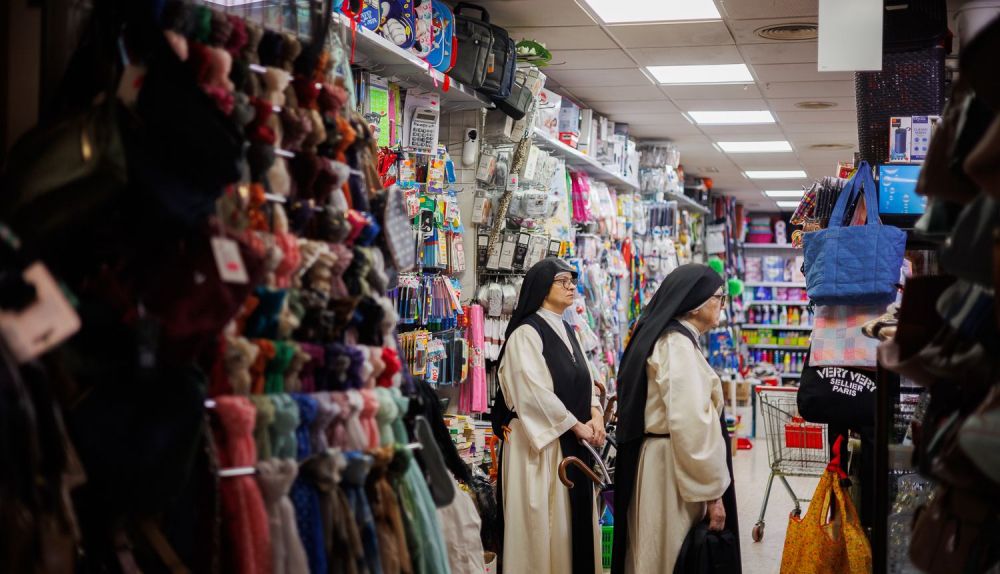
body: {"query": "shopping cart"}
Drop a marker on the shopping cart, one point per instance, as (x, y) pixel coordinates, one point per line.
(794, 447)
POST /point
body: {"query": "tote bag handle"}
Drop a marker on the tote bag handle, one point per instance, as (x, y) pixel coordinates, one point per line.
(862, 182)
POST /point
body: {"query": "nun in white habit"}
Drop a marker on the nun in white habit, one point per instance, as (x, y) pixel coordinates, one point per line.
(547, 400)
(673, 466)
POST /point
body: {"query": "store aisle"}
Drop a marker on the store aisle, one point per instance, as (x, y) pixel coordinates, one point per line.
(751, 470)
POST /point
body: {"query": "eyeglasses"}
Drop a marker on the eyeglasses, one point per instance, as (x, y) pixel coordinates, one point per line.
(721, 297)
(566, 282)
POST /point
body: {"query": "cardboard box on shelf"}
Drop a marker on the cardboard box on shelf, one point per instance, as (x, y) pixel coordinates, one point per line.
(899, 139)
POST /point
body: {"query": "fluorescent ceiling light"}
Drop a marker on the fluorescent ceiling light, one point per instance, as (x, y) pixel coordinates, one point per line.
(789, 193)
(755, 147)
(732, 118)
(787, 174)
(633, 11)
(707, 74)
(787, 204)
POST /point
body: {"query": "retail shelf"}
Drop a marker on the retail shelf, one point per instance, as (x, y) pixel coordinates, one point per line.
(575, 158)
(781, 246)
(779, 347)
(795, 303)
(407, 69)
(778, 327)
(774, 284)
(683, 202)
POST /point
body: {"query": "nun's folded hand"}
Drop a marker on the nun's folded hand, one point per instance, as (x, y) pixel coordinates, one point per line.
(597, 425)
(583, 432)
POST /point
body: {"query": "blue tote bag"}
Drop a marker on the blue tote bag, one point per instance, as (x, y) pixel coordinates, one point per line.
(855, 265)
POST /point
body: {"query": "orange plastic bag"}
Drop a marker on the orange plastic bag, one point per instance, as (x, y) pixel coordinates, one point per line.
(823, 544)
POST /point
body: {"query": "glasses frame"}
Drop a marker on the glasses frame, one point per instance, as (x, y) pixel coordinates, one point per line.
(568, 283)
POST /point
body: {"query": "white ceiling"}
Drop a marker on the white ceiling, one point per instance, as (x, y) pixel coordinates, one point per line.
(600, 66)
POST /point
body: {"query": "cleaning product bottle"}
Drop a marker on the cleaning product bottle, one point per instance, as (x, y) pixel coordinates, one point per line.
(750, 316)
(774, 314)
(783, 318)
(788, 363)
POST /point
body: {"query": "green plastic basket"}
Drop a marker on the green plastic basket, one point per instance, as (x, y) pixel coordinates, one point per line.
(607, 540)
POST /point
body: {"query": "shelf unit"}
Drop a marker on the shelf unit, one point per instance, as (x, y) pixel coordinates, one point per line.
(575, 158)
(684, 202)
(779, 327)
(790, 303)
(386, 59)
(779, 347)
(778, 246)
(774, 284)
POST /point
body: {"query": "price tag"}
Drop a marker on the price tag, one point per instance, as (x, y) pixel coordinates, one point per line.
(229, 261)
(44, 324)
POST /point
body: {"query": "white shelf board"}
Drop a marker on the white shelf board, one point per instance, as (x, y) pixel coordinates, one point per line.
(780, 246)
(779, 347)
(774, 284)
(575, 158)
(407, 69)
(683, 202)
(778, 327)
(791, 375)
(792, 303)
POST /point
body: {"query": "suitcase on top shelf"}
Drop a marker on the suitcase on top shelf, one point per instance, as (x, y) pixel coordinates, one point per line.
(501, 59)
(474, 46)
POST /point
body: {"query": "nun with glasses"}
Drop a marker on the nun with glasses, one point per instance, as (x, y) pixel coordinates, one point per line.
(546, 404)
(674, 466)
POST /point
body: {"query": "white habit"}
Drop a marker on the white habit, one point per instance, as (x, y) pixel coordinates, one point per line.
(536, 504)
(676, 475)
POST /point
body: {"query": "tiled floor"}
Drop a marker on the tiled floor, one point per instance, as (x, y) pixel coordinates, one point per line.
(751, 470)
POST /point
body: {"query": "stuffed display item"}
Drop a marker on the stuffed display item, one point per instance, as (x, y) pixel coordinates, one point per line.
(289, 246)
(258, 369)
(286, 420)
(212, 67)
(262, 426)
(293, 375)
(240, 355)
(275, 478)
(296, 125)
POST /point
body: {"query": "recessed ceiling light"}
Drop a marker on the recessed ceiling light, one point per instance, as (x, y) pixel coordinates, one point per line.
(786, 174)
(816, 105)
(732, 118)
(613, 12)
(755, 147)
(708, 74)
(785, 193)
(787, 204)
(792, 32)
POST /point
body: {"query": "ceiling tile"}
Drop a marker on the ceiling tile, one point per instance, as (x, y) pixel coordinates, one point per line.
(722, 105)
(788, 104)
(784, 53)
(589, 59)
(797, 73)
(723, 92)
(771, 131)
(744, 9)
(687, 55)
(638, 106)
(599, 77)
(617, 93)
(804, 140)
(743, 30)
(665, 118)
(817, 116)
(662, 132)
(823, 128)
(520, 13)
(785, 161)
(565, 37)
(671, 35)
(812, 90)
(690, 139)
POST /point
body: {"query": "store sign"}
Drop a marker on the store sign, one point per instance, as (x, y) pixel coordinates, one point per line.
(850, 35)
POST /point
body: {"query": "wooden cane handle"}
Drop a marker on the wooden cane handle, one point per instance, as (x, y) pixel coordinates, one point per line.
(579, 464)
